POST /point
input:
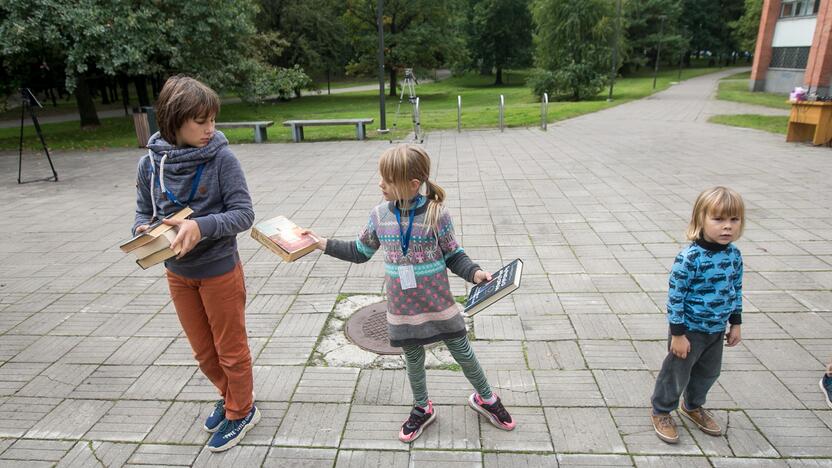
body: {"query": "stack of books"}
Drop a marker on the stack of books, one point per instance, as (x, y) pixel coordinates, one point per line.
(153, 246)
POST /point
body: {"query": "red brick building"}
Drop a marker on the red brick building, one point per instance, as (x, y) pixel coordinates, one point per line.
(794, 47)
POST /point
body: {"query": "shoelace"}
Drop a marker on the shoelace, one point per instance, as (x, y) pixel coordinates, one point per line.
(217, 406)
(415, 419)
(665, 421)
(498, 409)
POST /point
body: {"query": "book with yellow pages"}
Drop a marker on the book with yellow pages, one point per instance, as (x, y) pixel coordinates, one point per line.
(283, 237)
(153, 246)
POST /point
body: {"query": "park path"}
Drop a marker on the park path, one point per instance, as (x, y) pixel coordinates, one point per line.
(95, 371)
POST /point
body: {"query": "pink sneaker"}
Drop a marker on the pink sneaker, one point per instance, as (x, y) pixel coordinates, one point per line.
(419, 419)
(495, 412)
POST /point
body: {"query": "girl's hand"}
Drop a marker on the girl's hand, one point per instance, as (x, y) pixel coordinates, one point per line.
(680, 346)
(188, 236)
(481, 275)
(733, 337)
(142, 228)
(321, 240)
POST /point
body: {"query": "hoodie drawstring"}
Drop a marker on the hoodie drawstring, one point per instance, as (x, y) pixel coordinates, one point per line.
(161, 180)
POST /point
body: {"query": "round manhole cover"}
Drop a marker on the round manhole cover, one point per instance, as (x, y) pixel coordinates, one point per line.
(367, 328)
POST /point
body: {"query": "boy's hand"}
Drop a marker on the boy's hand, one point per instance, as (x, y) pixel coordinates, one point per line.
(142, 228)
(481, 275)
(733, 337)
(680, 346)
(188, 236)
(321, 241)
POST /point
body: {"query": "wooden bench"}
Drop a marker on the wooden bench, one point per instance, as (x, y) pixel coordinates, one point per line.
(259, 128)
(297, 126)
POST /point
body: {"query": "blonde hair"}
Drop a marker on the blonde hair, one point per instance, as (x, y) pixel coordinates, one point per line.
(403, 163)
(716, 201)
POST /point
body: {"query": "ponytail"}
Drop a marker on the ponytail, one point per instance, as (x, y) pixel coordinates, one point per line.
(435, 196)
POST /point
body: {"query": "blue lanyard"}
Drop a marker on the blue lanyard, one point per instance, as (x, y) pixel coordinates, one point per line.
(194, 186)
(404, 237)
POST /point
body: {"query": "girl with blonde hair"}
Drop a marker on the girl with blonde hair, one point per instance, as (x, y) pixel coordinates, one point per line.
(416, 234)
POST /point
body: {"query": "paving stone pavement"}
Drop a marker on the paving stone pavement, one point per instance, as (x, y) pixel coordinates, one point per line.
(94, 369)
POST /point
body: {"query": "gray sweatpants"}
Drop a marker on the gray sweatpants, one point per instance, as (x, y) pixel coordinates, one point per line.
(693, 375)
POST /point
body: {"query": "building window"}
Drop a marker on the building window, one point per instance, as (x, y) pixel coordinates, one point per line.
(789, 57)
(797, 8)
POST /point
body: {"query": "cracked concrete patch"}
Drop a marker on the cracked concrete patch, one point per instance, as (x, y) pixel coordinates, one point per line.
(335, 350)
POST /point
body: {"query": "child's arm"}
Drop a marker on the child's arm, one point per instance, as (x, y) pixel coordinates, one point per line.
(678, 288)
(358, 251)
(239, 214)
(455, 258)
(736, 315)
(734, 335)
(144, 205)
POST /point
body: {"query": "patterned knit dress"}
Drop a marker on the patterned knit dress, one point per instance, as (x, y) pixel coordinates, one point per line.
(427, 313)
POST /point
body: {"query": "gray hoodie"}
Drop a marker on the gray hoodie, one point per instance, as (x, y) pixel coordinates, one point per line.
(222, 205)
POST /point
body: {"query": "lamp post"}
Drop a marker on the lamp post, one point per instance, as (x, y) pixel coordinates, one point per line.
(614, 66)
(381, 108)
(658, 49)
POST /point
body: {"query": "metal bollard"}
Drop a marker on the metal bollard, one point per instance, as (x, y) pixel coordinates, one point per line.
(544, 111)
(459, 114)
(502, 112)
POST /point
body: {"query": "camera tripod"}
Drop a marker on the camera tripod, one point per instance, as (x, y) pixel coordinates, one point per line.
(409, 85)
(29, 103)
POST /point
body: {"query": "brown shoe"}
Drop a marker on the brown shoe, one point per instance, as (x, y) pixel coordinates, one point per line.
(702, 418)
(665, 427)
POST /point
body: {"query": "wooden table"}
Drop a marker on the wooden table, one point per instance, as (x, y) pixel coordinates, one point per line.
(810, 120)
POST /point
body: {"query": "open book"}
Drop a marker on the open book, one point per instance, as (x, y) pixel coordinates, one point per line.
(284, 238)
(153, 245)
(503, 281)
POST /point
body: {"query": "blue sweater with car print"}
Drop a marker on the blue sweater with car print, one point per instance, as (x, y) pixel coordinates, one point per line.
(705, 288)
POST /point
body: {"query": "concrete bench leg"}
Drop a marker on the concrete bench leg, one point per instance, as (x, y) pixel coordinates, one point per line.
(360, 131)
(260, 134)
(297, 133)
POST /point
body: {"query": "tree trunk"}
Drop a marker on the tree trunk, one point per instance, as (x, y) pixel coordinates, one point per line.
(125, 93)
(86, 106)
(141, 90)
(392, 82)
(499, 79)
(105, 93)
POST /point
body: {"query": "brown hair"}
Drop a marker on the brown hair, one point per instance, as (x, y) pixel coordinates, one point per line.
(716, 201)
(183, 98)
(403, 163)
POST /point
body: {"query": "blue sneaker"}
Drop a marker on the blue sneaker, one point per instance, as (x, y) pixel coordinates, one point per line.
(232, 431)
(826, 386)
(216, 417)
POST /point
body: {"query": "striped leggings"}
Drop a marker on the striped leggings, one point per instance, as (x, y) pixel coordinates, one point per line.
(460, 348)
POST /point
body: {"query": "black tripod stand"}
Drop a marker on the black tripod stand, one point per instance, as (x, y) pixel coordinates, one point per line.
(29, 101)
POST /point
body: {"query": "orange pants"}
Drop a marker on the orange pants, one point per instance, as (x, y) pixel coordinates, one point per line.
(212, 313)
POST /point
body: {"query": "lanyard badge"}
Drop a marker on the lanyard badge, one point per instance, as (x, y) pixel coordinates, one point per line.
(407, 276)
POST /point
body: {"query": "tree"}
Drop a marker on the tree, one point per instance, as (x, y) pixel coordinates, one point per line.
(213, 40)
(648, 23)
(573, 39)
(500, 35)
(417, 34)
(744, 30)
(708, 24)
(311, 33)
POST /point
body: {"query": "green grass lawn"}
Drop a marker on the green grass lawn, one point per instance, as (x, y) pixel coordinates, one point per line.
(768, 123)
(480, 100)
(736, 89)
